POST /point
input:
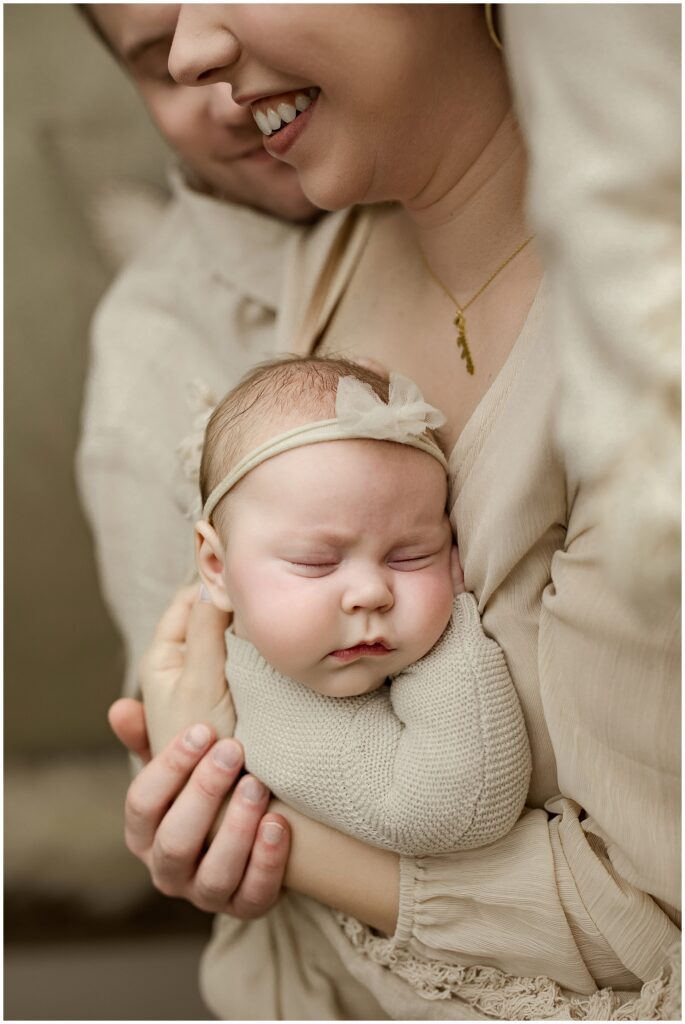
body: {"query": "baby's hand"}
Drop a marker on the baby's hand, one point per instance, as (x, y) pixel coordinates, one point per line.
(457, 573)
(182, 675)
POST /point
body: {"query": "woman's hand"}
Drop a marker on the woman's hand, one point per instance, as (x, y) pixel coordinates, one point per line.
(173, 804)
(171, 807)
(182, 674)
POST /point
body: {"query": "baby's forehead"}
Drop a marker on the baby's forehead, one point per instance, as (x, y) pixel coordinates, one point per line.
(363, 480)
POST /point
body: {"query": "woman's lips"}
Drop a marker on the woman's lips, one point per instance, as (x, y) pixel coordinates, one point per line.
(279, 143)
(361, 651)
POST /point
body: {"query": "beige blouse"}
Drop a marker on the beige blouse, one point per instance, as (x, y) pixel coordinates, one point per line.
(579, 895)
(565, 893)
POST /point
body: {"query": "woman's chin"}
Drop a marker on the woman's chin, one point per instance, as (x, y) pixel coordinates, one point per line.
(333, 189)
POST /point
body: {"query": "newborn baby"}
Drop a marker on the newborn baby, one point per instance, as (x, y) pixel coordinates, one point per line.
(367, 695)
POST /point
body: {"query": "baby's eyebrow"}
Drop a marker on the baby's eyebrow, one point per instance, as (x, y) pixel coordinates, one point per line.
(340, 538)
(336, 538)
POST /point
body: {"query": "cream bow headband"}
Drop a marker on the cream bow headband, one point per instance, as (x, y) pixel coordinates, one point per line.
(359, 413)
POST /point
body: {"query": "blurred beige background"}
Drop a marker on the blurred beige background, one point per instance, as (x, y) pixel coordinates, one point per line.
(85, 936)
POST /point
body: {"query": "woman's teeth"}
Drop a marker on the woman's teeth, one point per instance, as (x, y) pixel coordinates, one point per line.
(271, 119)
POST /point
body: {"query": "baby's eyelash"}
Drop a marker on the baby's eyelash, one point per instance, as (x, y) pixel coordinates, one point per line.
(313, 568)
(410, 562)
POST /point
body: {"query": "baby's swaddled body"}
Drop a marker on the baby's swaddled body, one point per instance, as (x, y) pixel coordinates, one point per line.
(437, 760)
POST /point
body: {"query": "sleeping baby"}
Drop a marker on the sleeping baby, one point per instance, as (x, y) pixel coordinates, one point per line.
(367, 694)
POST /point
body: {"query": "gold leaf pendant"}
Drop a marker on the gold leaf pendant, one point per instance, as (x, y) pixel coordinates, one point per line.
(462, 343)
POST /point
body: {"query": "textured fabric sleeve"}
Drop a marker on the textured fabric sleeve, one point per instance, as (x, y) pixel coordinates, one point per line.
(135, 413)
(438, 761)
(142, 555)
(597, 89)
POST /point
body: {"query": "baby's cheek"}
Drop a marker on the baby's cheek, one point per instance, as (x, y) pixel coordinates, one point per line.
(431, 600)
(292, 596)
(290, 623)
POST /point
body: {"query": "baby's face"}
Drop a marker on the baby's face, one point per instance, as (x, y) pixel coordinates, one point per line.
(338, 562)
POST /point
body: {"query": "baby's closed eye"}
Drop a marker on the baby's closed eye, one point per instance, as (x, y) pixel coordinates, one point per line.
(412, 563)
(312, 568)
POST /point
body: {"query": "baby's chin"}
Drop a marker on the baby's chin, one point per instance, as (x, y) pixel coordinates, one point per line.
(351, 681)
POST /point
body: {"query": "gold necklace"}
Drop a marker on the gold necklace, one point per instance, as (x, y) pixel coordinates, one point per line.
(460, 319)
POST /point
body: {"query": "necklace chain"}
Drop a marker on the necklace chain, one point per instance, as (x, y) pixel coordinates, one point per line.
(460, 320)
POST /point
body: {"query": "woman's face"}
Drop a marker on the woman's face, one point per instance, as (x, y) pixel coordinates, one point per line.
(394, 87)
(217, 140)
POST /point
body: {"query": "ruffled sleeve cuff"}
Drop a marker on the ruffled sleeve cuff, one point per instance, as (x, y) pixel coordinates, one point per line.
(407, 902)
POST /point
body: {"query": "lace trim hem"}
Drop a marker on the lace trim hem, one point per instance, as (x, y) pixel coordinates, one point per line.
(507, 997)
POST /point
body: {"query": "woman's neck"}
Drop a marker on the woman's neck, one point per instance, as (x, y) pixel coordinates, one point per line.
(469, 221)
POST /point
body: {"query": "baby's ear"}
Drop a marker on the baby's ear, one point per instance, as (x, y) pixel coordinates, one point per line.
(210, 557)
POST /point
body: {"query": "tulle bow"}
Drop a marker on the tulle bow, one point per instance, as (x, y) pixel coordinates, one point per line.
(406, 414)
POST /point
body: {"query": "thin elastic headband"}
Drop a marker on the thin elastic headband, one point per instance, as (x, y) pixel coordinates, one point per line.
(360, 415)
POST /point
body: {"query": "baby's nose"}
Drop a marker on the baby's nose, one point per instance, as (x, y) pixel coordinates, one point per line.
(368, 591)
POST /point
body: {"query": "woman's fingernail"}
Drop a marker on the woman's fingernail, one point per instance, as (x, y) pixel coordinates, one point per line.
(252, 790)
(272, 833)
(204, 594)
(197, 737)
(227, 754)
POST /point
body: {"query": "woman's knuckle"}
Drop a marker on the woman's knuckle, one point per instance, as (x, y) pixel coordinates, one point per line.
(164, 886)
(212, 892)
(205, 907)
(269, 860)
(209, 785)
(176, 759)
(252, 903)
(136, 809)
(242, 828)
(169, 852)
(133, 844)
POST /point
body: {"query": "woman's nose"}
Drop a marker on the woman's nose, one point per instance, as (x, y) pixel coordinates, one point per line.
(367, 591)
(222, 108)
(203, 49)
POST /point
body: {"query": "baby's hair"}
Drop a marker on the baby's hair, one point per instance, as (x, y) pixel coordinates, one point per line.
(273, 397)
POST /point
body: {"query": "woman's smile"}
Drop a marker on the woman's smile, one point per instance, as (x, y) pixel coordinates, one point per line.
(283, 118)
(272, 112)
